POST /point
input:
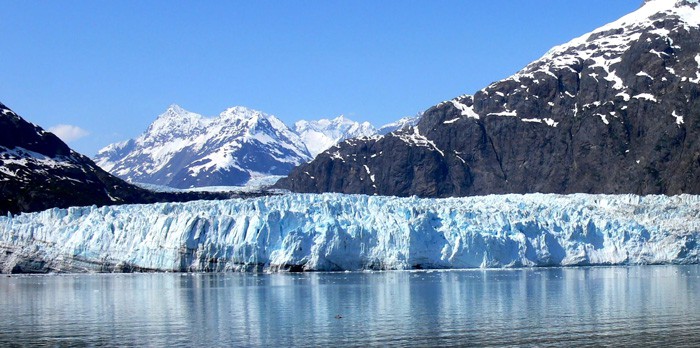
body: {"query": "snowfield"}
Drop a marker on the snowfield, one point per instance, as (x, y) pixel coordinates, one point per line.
(333, 232)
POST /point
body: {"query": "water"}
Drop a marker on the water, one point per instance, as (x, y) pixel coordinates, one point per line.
(615, 306)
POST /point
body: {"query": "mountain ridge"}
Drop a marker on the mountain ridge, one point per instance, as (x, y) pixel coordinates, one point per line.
(613, 111)
(182, 149)
(39, 171)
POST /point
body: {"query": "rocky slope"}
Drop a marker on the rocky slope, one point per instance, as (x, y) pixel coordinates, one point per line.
(613, 111)
(39, 171)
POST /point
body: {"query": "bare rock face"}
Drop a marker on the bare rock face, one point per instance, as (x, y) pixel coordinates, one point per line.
(614, 111)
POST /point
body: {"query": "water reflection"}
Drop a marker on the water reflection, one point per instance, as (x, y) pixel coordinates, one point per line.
(580, 306)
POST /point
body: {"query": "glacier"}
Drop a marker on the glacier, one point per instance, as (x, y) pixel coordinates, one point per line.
(336, 232)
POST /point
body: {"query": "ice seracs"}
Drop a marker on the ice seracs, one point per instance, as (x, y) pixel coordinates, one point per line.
(333, 232)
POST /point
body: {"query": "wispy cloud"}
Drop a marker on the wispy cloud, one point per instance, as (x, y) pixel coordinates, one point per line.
(68, 133)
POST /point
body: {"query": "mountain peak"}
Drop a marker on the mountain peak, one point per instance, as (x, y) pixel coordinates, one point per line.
(175, 120)
(608, 112)
(250, 117)
(174, 111)
(341, 119)
(183, 149)
(321, 134)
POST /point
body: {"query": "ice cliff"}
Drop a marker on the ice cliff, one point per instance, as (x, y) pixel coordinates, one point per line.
(331, 232)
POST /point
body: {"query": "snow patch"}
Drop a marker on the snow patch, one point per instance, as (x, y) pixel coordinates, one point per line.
(645, 96)
(643, 74)
(467, 111)
(506, 113)
(415, 138)
(679, 118)
(451, 121)
(550, 122)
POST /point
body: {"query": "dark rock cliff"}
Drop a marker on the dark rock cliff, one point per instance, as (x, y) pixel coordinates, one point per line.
(614, 111)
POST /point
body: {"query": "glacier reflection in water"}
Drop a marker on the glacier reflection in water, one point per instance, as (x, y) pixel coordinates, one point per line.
(646, 305)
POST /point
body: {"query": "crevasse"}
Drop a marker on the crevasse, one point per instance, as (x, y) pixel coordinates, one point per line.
(332, 232)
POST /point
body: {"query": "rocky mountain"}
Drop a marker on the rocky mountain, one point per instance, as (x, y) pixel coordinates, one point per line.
(613, 111)
(39, 171)
(320, 135)
(182, 149)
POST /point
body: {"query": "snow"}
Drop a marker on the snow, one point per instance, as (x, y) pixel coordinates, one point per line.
(451, 121)
(413, 137)
(348, 232)
(605, 45)
(550, 122)
(467, 111)
(402, 123)
(371, 176)
(697, 73)
(679, 118)
(625, 96)
(321, 135)
(645, 96)
(337, 155)
(22, 161)
(506, 113)
(659, 54)
(179, 141)
(643, 74)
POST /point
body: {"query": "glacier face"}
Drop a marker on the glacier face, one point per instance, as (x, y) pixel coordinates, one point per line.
(332, 232)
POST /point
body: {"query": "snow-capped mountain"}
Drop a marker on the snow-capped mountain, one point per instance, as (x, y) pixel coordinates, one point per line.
(182, 149)
(332, 232)
(320, 135)
(39, 171)
(613, 111)
(402, 123)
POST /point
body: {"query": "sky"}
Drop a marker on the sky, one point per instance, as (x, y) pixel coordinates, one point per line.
(98, 71)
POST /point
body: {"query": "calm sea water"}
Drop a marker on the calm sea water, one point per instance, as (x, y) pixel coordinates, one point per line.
(613, 306)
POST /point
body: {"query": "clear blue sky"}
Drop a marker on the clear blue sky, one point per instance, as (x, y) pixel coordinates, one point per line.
(110, 67)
